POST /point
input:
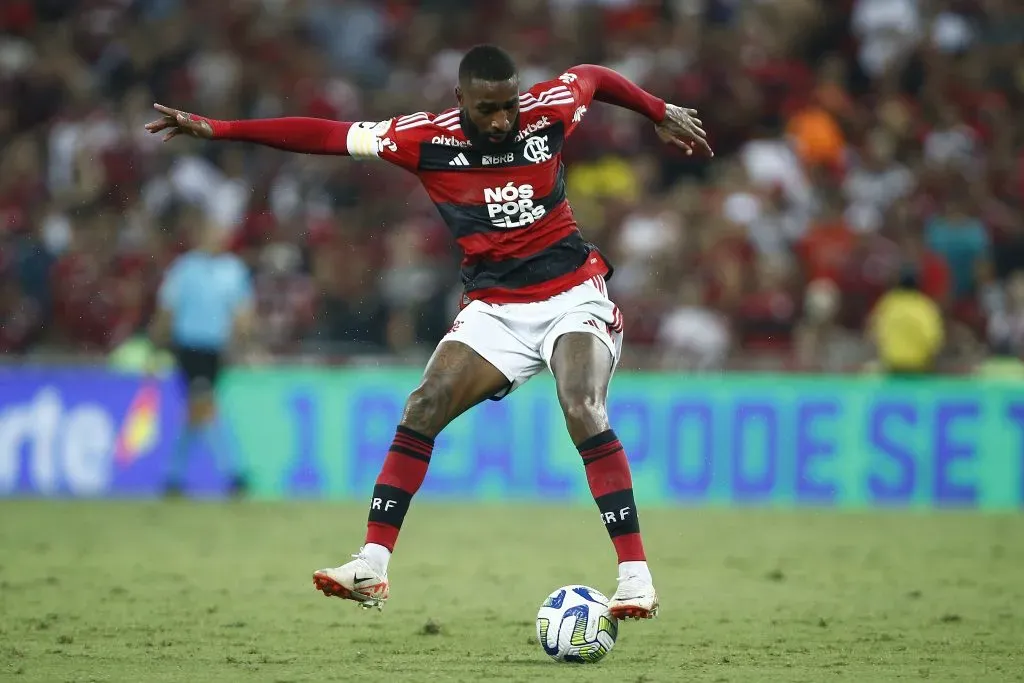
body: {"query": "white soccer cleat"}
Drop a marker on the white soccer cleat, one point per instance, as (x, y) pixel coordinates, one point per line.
(635, 598)
(356, 580)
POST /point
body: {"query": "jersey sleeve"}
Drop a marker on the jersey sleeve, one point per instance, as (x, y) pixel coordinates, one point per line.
(395, 140)
(566, 99)
(389, 140)
(570, 95)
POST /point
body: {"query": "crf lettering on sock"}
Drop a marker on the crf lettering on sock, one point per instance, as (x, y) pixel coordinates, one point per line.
(609, 517)
(389, 505)
(618, 513)
(612, 487)
(400, 478)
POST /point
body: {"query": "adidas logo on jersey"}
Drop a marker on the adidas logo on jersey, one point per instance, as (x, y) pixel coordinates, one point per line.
(459, 160)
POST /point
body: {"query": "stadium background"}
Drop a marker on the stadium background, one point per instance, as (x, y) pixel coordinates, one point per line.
(857, 142)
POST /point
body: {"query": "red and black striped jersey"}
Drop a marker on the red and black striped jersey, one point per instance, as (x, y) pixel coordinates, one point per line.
(507, 211)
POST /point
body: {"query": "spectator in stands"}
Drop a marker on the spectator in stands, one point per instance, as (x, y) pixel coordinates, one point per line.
(878, 179)
(769, 310)
(20, 315)
(961, 239)
(821, 343)
(285, 298)
(907, 330)
(1006, 324)
(895, 102)
(829, 243)
(692, 335)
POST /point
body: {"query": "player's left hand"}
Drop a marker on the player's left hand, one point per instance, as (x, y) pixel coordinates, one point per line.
(682, 128)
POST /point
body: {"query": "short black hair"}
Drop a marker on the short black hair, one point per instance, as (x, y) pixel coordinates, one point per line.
(486, 63)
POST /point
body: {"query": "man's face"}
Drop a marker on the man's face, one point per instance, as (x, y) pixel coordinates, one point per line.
(492, 109)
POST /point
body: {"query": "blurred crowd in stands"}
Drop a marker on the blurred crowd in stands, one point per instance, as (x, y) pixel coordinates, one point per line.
(864, 148)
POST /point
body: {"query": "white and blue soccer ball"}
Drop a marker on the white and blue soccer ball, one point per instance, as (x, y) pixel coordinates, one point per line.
(574, 625)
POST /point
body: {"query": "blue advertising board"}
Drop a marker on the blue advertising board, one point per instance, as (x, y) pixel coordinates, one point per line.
(855, 442)
(90, 432)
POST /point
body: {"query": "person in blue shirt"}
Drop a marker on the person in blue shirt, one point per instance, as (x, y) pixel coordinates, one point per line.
(961, 239)
(204, 306)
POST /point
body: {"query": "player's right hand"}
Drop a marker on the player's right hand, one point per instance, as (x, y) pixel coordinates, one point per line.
(682, 128)
(177, 122)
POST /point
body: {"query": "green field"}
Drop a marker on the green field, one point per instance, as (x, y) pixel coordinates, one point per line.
(222, 592)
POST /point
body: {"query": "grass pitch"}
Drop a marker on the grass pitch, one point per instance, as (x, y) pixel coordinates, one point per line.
(207, 592)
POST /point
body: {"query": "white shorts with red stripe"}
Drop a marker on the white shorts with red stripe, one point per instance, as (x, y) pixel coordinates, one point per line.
(519, 339)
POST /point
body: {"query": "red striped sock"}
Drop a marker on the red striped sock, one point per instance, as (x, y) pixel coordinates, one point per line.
(612, 487)
(400, 478)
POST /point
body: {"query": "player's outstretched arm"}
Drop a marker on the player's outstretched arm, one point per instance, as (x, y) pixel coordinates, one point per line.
(292, 134)
(674, 125)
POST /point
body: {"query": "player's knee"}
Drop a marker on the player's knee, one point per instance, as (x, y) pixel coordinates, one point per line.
(584, 411)
(426, 409)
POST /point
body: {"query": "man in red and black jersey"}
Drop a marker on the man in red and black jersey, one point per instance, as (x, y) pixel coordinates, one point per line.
(535, 293)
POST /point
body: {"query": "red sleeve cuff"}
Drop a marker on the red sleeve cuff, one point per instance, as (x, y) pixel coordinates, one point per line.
(221, 129)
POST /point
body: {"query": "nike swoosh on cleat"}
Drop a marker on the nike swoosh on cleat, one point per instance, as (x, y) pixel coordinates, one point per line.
(635, 597)
(356, 579)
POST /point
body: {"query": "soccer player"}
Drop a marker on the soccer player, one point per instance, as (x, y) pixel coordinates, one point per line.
(534, 289)
(205, 302)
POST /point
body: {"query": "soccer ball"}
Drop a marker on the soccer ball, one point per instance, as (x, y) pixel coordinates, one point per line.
(574, 625)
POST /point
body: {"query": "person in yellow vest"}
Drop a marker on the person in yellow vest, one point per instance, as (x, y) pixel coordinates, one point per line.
(907, 329)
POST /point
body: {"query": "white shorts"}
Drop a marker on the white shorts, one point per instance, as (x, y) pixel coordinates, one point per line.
(519, 339)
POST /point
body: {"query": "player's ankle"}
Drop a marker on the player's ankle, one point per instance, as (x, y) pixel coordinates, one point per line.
(377, 556)
(635, 569)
